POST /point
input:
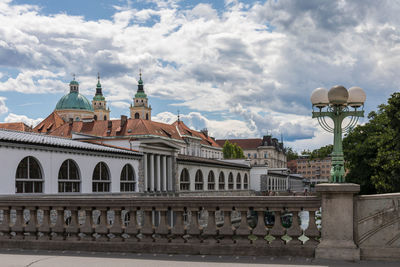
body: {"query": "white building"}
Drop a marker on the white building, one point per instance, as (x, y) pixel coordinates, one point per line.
(35, 163)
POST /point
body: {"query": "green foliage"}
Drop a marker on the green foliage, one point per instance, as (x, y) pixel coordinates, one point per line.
(290, 154)
(319, 153)
(232, 151)
(372, 150)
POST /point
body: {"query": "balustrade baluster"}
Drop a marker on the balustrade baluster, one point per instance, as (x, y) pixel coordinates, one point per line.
(30, 226)
(116, 228)
(312, 231)
(5, 224)
(294, 231)
(57, 229)
(86, 229)
(43, 229)
(210, 232)
(147, 229)
(277, 230)
(72, 229)
(131, 230)
(194, 230)
(243, 231)
(101, 229)
(18, 227)
(260, 230)
(226, 231)
(178, 229)
(162, 229)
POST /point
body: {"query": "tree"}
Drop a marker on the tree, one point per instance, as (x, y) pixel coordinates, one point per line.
(372, 150)
(232, 151)
(291, 154)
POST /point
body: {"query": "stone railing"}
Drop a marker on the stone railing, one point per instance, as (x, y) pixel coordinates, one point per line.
(188, 225)
(377, 226)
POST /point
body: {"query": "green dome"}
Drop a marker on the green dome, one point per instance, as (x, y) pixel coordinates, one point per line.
(74, 100)
(73, 82)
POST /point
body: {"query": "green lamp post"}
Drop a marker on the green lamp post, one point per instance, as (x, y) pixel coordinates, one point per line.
(337, 104)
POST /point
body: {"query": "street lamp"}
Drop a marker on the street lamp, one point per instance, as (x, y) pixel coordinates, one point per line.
(337, 104)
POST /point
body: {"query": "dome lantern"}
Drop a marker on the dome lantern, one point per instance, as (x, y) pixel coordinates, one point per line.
(338, 95)
(319, 97)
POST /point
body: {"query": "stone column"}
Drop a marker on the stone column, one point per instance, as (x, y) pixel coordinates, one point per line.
(151, 173)
(145, 169)
(337, 241)
(164, 174)
(158, 171)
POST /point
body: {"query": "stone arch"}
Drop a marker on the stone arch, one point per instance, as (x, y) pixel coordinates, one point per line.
(211, 180)
(128, 179)
(69, 178)
(29, 176)
(231, 182)
(184, 180)
(101, 179)
(221, 181)
(199, 181)
(238, 181)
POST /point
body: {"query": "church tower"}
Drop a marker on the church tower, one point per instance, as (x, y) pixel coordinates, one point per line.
(99, 103)
(140, 108)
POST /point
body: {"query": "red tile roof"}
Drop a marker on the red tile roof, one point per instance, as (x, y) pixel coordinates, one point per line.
(132, 127)
(52, 122)
(184, 130)
(251, 143)
(16, 126)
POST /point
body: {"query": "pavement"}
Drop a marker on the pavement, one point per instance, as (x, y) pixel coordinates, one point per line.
(35, 258)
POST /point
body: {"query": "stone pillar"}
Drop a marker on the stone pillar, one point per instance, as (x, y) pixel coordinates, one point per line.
(164, 175)
(145, 169)
(169, 173)
(151, 173)
(158, 171)
(337, 241)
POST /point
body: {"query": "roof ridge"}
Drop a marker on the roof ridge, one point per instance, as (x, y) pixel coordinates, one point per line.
(38, 134)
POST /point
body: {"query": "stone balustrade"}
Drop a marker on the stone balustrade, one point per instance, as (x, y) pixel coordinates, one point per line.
(252, 225)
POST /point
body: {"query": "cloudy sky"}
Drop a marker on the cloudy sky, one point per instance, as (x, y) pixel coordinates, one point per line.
(239, 68)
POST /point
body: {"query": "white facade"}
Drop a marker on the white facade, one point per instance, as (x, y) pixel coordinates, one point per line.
(205, 171)
(50, 160)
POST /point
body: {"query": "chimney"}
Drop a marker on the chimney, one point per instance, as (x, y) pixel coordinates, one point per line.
(266, 140)
(124, 119)
(205, 132)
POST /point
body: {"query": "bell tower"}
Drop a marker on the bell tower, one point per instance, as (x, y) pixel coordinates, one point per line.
(99, 103)
(140, 108)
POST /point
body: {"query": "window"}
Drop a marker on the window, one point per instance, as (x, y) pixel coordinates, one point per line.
(105, 117)
(137, 115)
(238, 181)
(77, 118)
(198, 181)
(68, 177)
(128, 183)
(28, 178)
(211, 181)
(185, 180)
(230, 181)
(147, 116)
(255, 155)
(265, 155)
(95, 117)
(101, 178)
(221, 181)
(245, 182)
(248, 155)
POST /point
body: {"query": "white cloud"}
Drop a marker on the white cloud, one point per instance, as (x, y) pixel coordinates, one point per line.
(216, 128)
(22, 118)
(3, 107)
(258, 61)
